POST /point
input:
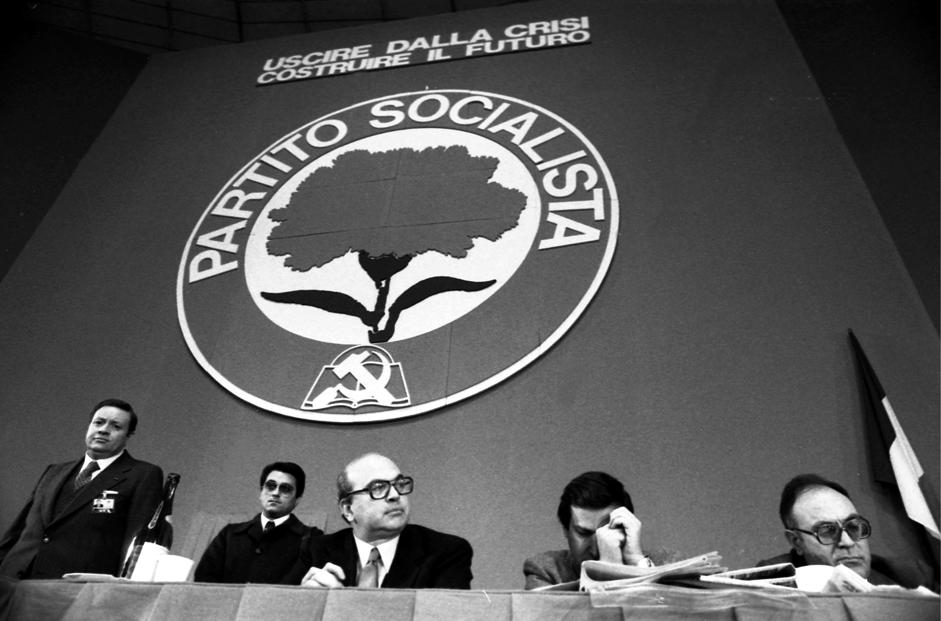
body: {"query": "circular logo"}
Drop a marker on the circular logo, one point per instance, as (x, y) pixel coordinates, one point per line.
(397, 256)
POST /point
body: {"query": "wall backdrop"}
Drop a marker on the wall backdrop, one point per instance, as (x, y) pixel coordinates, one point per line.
(710, 366)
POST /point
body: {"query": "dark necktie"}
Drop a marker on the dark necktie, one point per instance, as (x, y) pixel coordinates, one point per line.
(269, 526)
(84, 477)
(369, 577)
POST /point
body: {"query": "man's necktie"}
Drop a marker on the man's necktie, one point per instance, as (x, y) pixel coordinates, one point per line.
(369, 577)
(84, 477)
(269, 526)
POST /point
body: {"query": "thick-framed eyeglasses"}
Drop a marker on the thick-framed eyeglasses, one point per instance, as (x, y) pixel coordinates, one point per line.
(284, 488)
(829, 533)
(379, 489)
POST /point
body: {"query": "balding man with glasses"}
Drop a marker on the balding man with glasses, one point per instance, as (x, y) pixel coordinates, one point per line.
(824, 528)
(381, 549)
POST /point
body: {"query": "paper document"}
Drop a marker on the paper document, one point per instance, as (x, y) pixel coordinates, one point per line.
(602, 576)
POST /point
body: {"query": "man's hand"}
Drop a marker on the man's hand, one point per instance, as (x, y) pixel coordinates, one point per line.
(329, 577)
(619, 539)
(610, 542)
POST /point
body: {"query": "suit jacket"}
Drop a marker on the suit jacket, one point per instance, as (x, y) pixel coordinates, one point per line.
(242, 552)
(423, 559)
(557, 566)
(89, 534)
(883, 570)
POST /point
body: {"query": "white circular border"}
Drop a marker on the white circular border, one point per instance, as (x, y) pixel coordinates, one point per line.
(406, 412)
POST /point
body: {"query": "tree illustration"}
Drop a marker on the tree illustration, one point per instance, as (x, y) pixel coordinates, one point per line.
(388, 208)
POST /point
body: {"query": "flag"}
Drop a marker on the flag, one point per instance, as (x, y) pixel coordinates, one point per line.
(894, 461)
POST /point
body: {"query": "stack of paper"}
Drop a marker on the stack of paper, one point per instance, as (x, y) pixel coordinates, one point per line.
(602, 576)
(781, 575)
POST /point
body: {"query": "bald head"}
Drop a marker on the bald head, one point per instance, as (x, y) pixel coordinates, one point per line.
(373, 520)
(817, 506)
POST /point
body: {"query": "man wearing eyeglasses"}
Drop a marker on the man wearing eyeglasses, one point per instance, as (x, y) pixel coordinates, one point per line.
(824, 528)
(381, 549)
(264, 548)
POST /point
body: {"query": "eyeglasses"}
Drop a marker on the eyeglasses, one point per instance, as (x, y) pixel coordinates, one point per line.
(284, 488)
(379, 489)
(829, 533)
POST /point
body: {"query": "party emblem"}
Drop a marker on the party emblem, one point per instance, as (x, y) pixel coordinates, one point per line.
(386, 388)
(448, 236)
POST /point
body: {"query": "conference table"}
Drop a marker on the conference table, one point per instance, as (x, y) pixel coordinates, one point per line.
(48, 600)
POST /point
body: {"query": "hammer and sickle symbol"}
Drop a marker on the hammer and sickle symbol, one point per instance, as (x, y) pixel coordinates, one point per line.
(372, 386)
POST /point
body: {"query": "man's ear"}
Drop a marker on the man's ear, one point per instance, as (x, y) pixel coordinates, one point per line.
(345, 512)
(796, 542)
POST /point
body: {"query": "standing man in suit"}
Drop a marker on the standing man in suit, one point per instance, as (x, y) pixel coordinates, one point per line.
(265, 547)
(82, 514)
(381, 549)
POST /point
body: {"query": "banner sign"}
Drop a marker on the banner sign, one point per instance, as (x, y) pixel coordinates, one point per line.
(436, 47)
(397, 255)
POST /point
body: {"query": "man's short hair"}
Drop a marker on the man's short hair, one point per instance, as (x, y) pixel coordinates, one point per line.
(592, 490)
(121, 405)
(287, 467)
(797, 486)
(344, 487)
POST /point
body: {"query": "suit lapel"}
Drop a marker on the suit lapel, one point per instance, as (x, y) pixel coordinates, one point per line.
(57, 478)
(295, 525)
(343, 548)
(406, 564)
(108, 479)
(254, 530)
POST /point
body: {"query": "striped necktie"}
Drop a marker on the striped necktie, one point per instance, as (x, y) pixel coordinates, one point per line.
(84, 477)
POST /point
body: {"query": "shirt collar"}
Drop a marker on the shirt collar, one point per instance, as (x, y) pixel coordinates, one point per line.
(102, 463)
(278, 522)
(386, 553)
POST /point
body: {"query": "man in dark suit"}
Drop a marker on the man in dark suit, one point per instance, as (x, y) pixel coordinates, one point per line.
(82, 514)
(824, 528)
(381, 549)
(265, 547)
